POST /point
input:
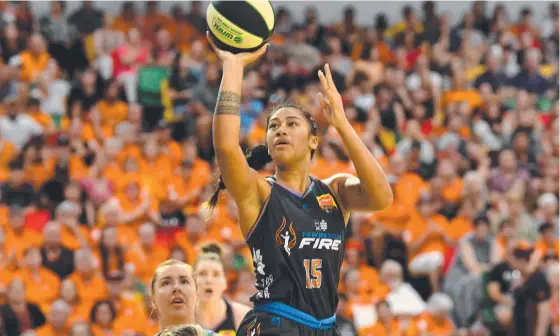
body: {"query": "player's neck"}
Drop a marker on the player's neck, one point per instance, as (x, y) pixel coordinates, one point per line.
(297, 180)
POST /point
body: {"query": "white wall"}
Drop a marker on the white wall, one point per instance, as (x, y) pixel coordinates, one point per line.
(330, 11)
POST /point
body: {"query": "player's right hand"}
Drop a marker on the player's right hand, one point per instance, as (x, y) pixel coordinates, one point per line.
(241, 59)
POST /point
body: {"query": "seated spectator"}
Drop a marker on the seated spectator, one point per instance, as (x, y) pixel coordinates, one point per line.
(463, 281)
(90, 285)
(19, 237)
(19, 315)
(403, 299)
(41, 284)
(427, 235)
(57, 319)
(79, 310)
(34, 60)
(130, 56)
(436, 320)
(103, 315)
(16, 126)
(144, 256)
(387, 323)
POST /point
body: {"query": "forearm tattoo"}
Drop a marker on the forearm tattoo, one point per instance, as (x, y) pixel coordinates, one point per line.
(228, 103)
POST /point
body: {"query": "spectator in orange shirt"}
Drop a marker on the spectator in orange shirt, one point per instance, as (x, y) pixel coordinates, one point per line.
(19, 315)
(387, 324)
(19, 237)
(436, 320)
(41, 284)
(129, 307)
(56, 320)
(144, 256)
(427, 236)
(79, 310)
(89, 284)
(103, 314)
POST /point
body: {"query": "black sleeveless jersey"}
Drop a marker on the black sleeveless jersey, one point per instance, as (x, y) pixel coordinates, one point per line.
(297, 245)
(227, 326)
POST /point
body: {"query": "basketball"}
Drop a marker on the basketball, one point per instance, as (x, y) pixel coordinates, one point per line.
(240, 26)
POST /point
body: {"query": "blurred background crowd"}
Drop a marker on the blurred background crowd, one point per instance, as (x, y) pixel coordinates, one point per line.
(106, 161)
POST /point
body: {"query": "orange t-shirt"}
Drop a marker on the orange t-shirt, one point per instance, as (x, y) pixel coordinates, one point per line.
(112, 113)
(31, 65)
(417, 226)
(408, 189)
(379, 329)
(48, 330)
(42, 290)
(89, 290)
(544, 248)
(146, 262)
(427, 323)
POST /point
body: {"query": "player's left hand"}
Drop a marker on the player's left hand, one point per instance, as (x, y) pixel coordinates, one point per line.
(330, 99)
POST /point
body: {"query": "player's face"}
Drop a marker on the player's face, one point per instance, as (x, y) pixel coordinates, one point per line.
(211, 281)
(174, 292)
(288, 137)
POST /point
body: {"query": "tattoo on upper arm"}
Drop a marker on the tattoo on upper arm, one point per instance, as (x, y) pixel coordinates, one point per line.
(228, 103)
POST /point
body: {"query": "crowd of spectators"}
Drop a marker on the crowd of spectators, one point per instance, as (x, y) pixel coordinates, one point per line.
(106, 162)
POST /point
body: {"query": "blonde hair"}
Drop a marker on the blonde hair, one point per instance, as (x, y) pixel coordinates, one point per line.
(186, 330)
(166, 263)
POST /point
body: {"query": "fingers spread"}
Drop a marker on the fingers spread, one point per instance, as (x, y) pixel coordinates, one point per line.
(329, 76)
(323, 80)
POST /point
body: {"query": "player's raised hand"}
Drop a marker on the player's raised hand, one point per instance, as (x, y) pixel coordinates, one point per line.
(330, 99)
(242, 59)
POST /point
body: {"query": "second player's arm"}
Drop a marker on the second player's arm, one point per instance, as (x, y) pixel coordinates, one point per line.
(371, 190)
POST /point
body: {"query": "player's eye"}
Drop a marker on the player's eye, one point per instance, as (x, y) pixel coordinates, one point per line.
(272, 126)
(292, 123)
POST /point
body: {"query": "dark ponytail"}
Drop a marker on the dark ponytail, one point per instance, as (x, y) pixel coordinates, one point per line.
(257, 158)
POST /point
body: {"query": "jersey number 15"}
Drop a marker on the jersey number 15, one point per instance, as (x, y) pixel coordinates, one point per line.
(313, 274)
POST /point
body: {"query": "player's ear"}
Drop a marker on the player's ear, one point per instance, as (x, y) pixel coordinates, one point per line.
(313, 142)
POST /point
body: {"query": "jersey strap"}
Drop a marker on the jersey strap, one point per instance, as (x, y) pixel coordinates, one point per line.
(296, 315)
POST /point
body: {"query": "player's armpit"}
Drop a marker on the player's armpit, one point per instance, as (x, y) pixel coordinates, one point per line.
(349, 191)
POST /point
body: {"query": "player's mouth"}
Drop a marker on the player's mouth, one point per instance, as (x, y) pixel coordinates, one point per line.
(177, 301)
(281, 143)
(209, 291)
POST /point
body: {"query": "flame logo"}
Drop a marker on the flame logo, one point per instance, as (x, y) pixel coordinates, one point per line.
(280, 236)
(254, 328)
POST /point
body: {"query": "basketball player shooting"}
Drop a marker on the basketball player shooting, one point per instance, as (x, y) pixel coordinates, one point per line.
(297, 265)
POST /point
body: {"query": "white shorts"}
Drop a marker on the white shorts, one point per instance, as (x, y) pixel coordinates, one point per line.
(426, 262)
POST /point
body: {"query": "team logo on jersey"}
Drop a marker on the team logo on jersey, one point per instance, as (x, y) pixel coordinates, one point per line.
(258, 260)
(285, 236)
(254, 328)
(327, 203)
(321, 225)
